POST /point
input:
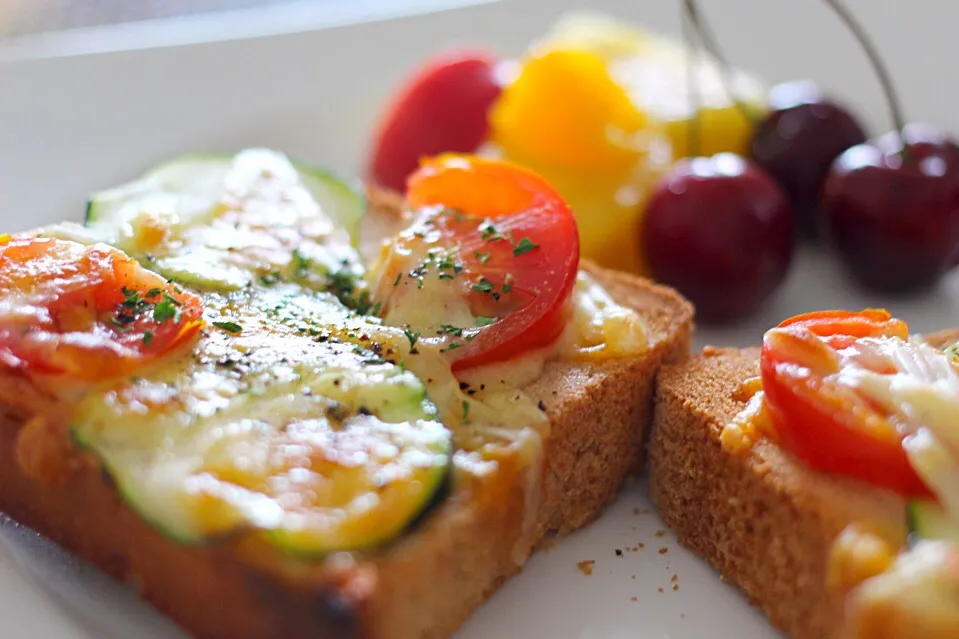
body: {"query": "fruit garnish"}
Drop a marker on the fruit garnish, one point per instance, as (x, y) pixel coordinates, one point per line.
(720, 231)
(442, 108)
(891, 209)
(717, 228)
(890, 206)
(798, 140)
(487, 266)
(565, 109)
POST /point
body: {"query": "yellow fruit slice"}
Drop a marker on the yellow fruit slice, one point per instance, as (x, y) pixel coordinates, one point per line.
(563, 108)
(654, 70)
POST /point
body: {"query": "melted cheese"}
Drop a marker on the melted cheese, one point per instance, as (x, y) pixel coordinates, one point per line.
(599, 326)
(751, 423)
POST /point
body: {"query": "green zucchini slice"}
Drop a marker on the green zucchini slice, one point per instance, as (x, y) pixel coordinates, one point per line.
(928, 520)
(222, 222)
(312, 444)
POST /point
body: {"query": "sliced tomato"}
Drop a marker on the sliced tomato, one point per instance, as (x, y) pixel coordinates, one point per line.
(87, 312)
(516, 249)
(441, 109)
(830, 426)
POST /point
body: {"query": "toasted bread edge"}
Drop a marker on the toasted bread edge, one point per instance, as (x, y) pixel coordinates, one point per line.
(763, 519)
(432, 580)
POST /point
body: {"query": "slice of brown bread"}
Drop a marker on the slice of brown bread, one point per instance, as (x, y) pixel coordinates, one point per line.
(422, 587)
(763, 519)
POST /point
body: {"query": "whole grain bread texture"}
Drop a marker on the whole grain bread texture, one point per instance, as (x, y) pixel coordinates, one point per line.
(763, 519)
(421, 587)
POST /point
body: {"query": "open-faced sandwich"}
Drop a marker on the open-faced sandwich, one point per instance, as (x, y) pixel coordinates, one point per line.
(819, 473)
(208, 394)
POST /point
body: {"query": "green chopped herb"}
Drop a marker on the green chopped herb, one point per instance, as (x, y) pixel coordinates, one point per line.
(483, 286)
(466, 411)
(270, 278)
(482, 257)
(166, 310)
(508, 283)
(489, 233)
(953, 352)
(412, 336)
(446, 263)
(153, 292)
(452, 346)
(447, 276)
(449, 329)
(229, 327)
(484, 321)
(524, 246)
(301, 263)
(147, 338)
(456, 214)
(396, 282)
(376, 309)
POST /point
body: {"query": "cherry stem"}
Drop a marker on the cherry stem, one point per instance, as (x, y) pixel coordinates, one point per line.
(693, 53)
(882, 72)
(710, 43)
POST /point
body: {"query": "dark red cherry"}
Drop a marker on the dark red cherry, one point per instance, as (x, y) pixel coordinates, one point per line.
(798, 140)
(719, 230)
(891, 208)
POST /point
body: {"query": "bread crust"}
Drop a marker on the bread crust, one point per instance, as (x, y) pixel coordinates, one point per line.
(428, 583)
(763, 519)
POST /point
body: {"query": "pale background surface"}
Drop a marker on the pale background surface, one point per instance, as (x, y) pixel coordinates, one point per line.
(85, 109)
(39, 16)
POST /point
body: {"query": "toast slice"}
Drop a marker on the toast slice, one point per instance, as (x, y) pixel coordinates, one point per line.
(763, 519)
(421, 587)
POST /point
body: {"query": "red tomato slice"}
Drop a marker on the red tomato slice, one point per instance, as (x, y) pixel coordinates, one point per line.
(515, 244)
(88, 312)
(441, 109)
(832, 427)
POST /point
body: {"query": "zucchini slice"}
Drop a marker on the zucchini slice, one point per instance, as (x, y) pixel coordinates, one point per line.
(928, 520)
(311, 444)
(221, 222)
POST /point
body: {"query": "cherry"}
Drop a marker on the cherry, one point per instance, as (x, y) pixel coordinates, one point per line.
(441, 108)
(891, 208)
(798, 140)
(719, 230)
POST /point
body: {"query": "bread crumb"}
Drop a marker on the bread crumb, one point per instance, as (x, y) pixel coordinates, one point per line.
(663, 550)
(632, 576)
(634, 599)
(674, 579)
(619, 553)
(675, 587)
(660, 533)
(660, 589)
(586, 566)
(641, 511)
(548, 544)
(640, 545)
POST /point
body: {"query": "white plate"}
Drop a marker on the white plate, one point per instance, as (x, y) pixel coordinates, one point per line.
(91, 109)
